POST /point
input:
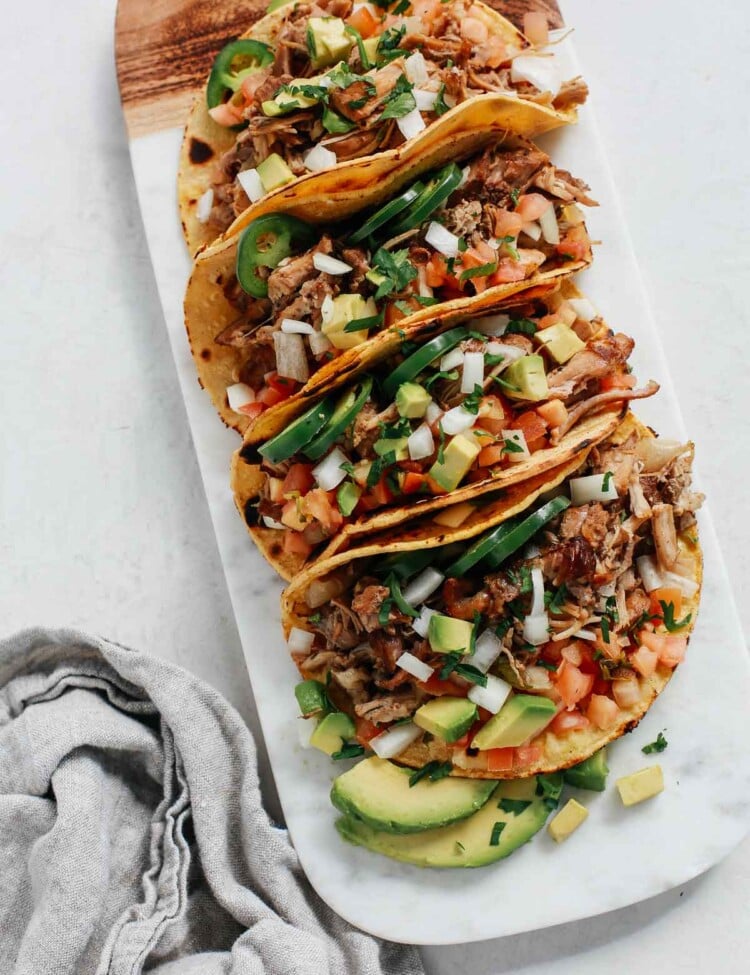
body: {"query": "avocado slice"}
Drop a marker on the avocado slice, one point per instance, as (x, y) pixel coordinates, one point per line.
(448, 635)
(447, 717)
(331, 732)
(274, 172)
(376, 794)
(412, 400)
(458, 457)
(560, 341)
(526, 379)
(591, 773)
(463, 844)
(520, 718)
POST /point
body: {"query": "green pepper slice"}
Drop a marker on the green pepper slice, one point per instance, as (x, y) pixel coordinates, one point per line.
(387, 212)
(499, 544)
(346, 409)
(419, 360)
(227, 76)
(433, 196)
(265, 242)
(292, 438)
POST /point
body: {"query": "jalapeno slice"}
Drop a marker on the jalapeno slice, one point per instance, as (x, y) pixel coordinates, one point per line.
(433, 196)
(499, 544)
(292, 438)
(417, 361)
(345, 411)
(265, 242)
(387, 212)
(226, 75)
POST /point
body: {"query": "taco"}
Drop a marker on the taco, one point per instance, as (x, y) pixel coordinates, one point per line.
(287, 309)
(522, 641)
(481, 406)
(312, 85)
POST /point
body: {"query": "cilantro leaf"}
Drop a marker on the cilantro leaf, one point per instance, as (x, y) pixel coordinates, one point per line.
(515, 806)
(396, 268)
(655, 746)
(495, 835)
(669, 621)
(401, 100)
(478, 272)
(521, 326)
(349, 750)
(473, 400)
(434, 771)
(440, 104)
(360, 324)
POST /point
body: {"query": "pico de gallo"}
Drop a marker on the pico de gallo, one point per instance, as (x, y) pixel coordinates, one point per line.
(342, 80)
(457, 410)
(553, 625)
(305, 295)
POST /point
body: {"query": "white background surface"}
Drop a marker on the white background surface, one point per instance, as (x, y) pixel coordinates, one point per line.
(103, 523)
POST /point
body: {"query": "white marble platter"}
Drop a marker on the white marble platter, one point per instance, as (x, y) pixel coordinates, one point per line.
(620, 856)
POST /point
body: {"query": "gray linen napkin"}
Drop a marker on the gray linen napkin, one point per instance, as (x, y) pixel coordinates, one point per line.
(132, 835)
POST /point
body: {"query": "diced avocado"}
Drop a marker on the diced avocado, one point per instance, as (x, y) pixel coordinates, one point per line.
(448, 635)
(467, 843)
(412, 400)
(332, 731)
(371, 48)
(520, 718)
(375, 277)
(344, 309)
(458, 457)
(327, 41)
(591, 773)
(641, 785)
(567, 820)
(311, 697)
(560, 341)
(271, 108)
(526, 379)
(347, 497)
(392, 445)
(378, 793)
(287, 100)
(274, 172)
(275, 4)
(447, 717)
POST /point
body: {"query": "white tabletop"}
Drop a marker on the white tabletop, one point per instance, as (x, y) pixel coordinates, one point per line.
(103, 521)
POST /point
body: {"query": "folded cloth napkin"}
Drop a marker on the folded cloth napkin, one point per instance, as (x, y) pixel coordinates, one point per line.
(132, 835)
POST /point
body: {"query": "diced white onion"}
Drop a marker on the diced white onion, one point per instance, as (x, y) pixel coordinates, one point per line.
(300, 641)
(657, 452)
(291, 358)
(421, 443)
(541, 72)
(365, 6)
(583, 308)
(649, 572)
(457, 420)
(537, 678)
(532, 230)
(251, 183)
(305, 729)
(329, 265)
(240, 394)
(328, 472)
(272, 523)
(508, 352)
(537, 583)
(451, 360)
(531, 551)
(609, 590)
(442, 240)
(411, 125)
(425, 99)
(414, 666)
(466, 171)
(422, 623)
(536, 629)
(205, 205)
(688, 586)
(486, 651)
(585, 635)
(473, 371)
(591, 488)
(293, 327)
(491, 325)
(388, 744)
(517, 437)
(493, 696)
(319, 343)
(415, 68)
(319, 158)
(423, 586)
(549, 227)
(433, 413)
(425, 291)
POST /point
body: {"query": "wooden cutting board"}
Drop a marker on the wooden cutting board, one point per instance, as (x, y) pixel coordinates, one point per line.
(164, 50)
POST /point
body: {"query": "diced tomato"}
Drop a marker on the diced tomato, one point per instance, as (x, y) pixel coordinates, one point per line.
(531, 206)
(474, 257)
(426, 10)
(554, 413)
(507, 272)
(572, 685)
(317, 504)
(284, 386)
(382, 492)
(500, 759)
(275, 488)
(611, 647)
(567, 721)
(494, 415)
(292, 517)
(295, 544)
(644, 661)
(436, 272)
(251, 83)
(365, 730)
(618, 380)
(531, 424)
(491, 456)
(364, 22)
(270, 397)
(670, 649)
(394, 314)
(413, 483)
(602, 711)
(299, 478)
(252, 410)
(226, 114)
(536, 28)
(439, 688)
(575, 244)
(602, 686)
(508, 223)
(526, 755)
(552, 652)
(667, 595)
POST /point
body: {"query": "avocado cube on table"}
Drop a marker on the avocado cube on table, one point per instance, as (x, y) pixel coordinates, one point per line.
(567, 820)
(641, 785)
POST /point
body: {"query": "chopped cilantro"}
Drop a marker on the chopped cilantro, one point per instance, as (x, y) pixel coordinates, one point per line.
(509, 244)
(514, 194)
(605, 629)
(453, 664)
(434, 771)
(491, 359)
(521, 326)
(655, 746)
(473, 400)
(515, 806)
(495, 835)
(478, 272)
(398, 597)
(669, 621)
(353, 32)
(396, 268)
(360, 324)
(401, 99)
(505, 384)
(350, 750)
(502, 628)
(511, 447)
(451, 374)
(546, 664)
(554, 601)
(606, 480)
(440, 104)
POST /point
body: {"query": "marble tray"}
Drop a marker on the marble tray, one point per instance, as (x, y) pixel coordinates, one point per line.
(620, 856)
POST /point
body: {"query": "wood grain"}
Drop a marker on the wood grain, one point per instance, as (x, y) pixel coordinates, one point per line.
(164, 50)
